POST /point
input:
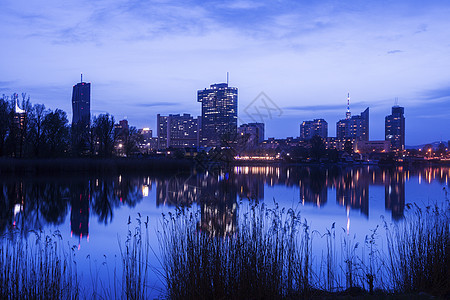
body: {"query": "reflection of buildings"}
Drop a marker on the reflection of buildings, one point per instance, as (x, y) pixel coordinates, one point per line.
(313, 186)
(79, 212)
(352, 189)
(395, 193)
(215, 194)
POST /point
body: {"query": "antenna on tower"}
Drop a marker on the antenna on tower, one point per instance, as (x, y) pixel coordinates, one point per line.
(81, 77)
(348, 114)
(396, 101)
(227, 77)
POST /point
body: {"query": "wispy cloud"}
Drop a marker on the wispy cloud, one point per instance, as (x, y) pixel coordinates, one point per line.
(152, 104)
(394, 51)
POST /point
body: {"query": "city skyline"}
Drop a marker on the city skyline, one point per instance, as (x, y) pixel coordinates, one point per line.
(148, 58)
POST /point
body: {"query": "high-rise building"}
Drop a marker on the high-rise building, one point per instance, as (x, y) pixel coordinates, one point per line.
(81, 117)
(219, 115)
(253, 133)
(81, 103)
(308, 129)
(161, 131)
(395, 128)
(353, 128)
(178, 131)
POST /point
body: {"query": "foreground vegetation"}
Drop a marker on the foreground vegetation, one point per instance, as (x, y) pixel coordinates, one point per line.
(271, 253)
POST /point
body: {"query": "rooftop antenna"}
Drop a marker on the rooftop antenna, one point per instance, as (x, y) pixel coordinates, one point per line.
(227, 77)
(396, 101)
(81, 77)
(348, 114)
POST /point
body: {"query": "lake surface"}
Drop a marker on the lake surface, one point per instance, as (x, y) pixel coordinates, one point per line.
(95, 213)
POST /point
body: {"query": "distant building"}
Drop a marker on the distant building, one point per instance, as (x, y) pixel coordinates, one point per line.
(219, 115)
(372, 146)
(353, 128)
(121, 133)
(251, 134)
(395, 128)
(81, 103)
(309, 129)
(178, 131)
(81, 117)
(19, 114)
(146, 141)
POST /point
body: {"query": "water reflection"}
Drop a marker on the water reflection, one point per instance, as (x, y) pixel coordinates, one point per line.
(30, 204)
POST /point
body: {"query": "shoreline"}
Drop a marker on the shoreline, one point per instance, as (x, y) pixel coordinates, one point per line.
(12, 166)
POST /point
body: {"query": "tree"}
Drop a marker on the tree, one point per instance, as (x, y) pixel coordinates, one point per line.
(36, 136)
(56, 133)
(4, 124)
(103, 127)
(317, 147)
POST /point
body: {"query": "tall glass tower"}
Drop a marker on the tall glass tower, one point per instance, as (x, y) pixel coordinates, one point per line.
(219, 115)
(81, 104)
(394, 128)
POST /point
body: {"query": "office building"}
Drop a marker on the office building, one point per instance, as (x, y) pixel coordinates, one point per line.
(251, 134)
(318, 127)
(353, 128)
(177, 131)
(219, 115)
(81, 104)
(395, 128)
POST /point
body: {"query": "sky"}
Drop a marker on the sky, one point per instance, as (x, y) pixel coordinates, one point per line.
(148, 57)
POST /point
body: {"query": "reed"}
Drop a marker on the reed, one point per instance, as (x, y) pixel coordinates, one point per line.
(270, 255)
(44, 269)
(419, 251)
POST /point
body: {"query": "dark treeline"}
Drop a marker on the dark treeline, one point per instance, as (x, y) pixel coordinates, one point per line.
(34, 131)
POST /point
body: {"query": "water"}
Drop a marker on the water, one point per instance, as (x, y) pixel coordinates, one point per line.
(95, 213)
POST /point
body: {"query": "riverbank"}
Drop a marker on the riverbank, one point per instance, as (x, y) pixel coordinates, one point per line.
(10, 166)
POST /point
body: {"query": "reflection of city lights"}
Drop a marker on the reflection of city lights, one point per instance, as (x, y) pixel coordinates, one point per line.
(145, 190)
(17, 209)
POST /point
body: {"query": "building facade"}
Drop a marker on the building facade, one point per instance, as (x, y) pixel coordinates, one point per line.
(251, 133)
(354, 128)
(395, 128)
(219, 115)
(81, 104)
(178, 131)
(309, 129)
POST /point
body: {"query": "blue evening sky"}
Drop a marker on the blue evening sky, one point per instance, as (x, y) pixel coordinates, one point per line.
(149, 57)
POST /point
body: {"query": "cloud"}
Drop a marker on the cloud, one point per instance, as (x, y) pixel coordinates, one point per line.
(242, 4)
(161, 103)
(394, 51)
(437, 94)
(326, 107)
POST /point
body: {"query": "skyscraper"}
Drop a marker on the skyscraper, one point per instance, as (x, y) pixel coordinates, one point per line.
(308, 129)
(219, 115)
(81, 117)
(81, 104)
(395, 128)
